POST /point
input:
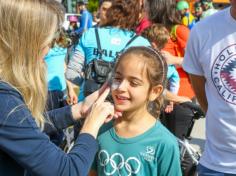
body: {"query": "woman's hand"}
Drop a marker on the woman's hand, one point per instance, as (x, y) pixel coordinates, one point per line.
(101, 111)
(80, 110)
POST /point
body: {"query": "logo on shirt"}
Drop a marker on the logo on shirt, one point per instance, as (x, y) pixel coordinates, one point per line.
(116, 164)
(224, 74)
(149, 154)
(116, 41)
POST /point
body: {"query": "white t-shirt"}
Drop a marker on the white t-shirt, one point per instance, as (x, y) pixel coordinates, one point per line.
(211, 52)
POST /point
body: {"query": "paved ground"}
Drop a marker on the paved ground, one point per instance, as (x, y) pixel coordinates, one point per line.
(198, 135)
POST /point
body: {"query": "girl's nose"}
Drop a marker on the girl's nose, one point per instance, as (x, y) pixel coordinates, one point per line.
(121, 86)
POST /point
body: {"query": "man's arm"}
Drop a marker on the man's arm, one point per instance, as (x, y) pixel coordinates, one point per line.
(74, 71)
(169, 96)
(198, 84)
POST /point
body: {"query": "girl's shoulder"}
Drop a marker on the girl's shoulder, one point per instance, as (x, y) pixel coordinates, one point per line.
(164, 136)
(105, 128)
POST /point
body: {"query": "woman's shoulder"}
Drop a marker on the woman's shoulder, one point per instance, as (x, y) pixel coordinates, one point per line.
(13, 108)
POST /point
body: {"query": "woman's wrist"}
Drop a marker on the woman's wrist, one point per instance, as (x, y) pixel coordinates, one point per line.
(90, 128)
(76, 111)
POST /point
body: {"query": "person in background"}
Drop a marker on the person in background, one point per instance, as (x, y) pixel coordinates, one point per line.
(158, 36)
(208, 8)
(24, 148)
(198, 11)
(114, 35)
(210, 61)
(95, 18)
(73, 24)
(86, 19)
(104, 5)
(187, 18)
(164, 12)
(60, 91)
(143, 19)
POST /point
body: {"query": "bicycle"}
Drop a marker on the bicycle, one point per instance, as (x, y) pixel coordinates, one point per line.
(189, 156)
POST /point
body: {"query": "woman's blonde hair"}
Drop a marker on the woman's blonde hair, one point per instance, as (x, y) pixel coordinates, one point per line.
(26, 28)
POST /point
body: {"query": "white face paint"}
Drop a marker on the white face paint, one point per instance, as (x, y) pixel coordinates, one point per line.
(114, 85)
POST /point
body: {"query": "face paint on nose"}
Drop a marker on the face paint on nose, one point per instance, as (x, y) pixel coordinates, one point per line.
(114, 85)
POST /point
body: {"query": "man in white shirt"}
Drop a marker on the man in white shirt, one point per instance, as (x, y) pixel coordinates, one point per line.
(210, 59)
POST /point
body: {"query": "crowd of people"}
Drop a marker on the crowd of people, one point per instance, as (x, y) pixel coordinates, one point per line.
(134, 67)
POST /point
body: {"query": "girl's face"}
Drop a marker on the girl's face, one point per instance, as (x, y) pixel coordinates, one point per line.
(130, 88)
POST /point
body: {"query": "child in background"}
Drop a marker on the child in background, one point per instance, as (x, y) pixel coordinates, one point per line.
(60, 91)
(158, 35)
(137, 143)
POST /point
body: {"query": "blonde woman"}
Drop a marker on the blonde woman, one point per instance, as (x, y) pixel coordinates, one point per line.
(26, 29)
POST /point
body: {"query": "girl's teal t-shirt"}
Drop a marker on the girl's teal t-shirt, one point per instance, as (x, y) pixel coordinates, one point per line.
(154, 152)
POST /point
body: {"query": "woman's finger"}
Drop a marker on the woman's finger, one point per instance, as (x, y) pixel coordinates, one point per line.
(103, 88)
(103, 96)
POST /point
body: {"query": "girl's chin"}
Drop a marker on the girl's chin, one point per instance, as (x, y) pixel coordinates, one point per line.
(120, 108)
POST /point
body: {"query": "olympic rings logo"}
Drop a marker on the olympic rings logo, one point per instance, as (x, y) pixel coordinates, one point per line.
(106, 161)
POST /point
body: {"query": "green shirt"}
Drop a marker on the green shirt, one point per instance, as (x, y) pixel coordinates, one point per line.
(154, 152)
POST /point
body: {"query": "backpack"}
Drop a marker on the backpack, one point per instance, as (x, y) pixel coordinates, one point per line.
(97, 71)
(173, 36)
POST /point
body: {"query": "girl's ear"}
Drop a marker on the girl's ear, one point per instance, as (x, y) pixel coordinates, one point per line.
(155, 92)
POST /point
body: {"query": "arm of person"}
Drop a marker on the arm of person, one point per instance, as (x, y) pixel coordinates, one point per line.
(174, 98)
(83, 23)
(61, 118)
(171, 59)
(74, 71)
(72, 96)
(198, 84)
(64, 117)
(23, 141)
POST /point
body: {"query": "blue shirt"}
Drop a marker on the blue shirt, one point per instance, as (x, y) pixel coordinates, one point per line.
(172, 74)
(55, 60)
(85, 21)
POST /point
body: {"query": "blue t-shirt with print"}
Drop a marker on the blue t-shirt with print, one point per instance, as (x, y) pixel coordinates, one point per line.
(55, 60)
(113, 40)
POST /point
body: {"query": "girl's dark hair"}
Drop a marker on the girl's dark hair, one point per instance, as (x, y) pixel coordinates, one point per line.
(156, 69)
(123, 14)
(163, 11)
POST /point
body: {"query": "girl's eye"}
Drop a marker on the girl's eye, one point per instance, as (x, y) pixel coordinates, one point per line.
(134, 84)
(117, 79)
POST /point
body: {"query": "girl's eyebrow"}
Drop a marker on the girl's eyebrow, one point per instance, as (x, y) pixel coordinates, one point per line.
(131, 77)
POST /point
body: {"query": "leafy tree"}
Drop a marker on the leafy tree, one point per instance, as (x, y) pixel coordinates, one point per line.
(93, 5)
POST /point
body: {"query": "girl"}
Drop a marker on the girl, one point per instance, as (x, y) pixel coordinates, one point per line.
(137, 143)
(27, 28)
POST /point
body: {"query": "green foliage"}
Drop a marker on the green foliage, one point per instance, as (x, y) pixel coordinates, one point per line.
(93, 5)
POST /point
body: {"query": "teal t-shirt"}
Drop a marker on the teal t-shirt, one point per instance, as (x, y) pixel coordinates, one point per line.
(154, 152)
